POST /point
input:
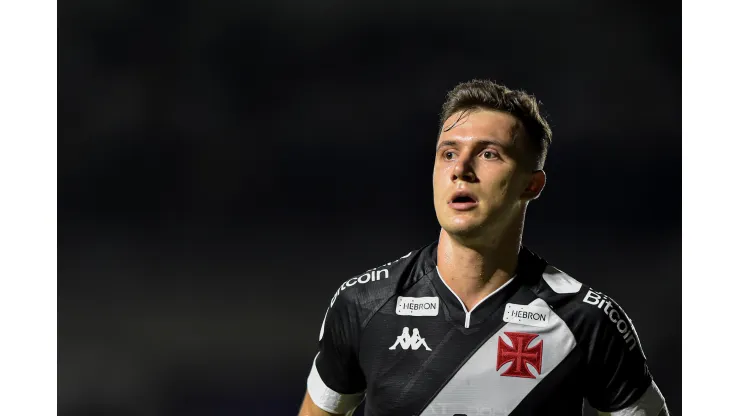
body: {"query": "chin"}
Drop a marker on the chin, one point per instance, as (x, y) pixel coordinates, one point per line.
(463, 229)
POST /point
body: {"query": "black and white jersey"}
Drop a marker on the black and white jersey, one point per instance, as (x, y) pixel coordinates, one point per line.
(399, 338)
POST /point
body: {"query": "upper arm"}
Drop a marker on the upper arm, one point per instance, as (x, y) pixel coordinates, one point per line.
(309, 408)
(651, 403)
(336, 383)
(618, 380)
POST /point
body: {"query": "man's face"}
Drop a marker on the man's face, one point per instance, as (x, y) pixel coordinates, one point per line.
(481, 174)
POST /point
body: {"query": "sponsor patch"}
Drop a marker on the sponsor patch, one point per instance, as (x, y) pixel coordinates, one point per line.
(426, 306)
(526, 315)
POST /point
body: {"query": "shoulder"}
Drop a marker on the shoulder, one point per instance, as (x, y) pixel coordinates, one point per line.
(564, 292)
(549, 283)
(583, 308)
(368, 291)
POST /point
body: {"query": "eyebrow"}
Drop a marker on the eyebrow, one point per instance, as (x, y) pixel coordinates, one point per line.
(485, 142)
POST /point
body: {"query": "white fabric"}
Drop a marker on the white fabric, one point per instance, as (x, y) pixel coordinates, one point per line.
(560, 282)
(329, 400)
(479, 388)
(650, 404)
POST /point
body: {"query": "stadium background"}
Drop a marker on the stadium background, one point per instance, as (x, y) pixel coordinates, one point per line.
(224, 166)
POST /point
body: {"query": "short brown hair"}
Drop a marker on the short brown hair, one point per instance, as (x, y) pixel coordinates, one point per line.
(484, 94)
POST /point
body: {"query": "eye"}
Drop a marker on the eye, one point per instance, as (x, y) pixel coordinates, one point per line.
(489, 155)
(448, 155)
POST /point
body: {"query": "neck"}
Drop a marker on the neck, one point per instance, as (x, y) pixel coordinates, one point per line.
(475, 270)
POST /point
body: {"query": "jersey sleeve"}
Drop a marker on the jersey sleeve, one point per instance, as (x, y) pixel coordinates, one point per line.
(618, 380)
(336, 383)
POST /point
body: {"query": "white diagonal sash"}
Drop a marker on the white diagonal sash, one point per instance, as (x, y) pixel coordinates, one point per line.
(479, 389)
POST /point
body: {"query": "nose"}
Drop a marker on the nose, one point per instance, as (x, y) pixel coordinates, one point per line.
(463, 171)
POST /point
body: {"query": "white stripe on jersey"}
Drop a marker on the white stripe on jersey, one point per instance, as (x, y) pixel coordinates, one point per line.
(650, 404)
(477, 388)
(559, 281)
(326, 398)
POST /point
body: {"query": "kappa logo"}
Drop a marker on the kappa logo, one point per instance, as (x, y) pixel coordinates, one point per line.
(407, 341)
(519, 354)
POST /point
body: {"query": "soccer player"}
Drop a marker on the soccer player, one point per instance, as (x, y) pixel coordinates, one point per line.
(475, 323)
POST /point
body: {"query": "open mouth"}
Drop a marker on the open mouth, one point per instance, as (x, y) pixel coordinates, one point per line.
(463, 199)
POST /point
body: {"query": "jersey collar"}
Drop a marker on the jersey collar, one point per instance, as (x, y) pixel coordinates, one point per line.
(529, 268)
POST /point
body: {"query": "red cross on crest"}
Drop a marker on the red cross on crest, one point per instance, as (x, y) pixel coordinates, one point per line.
(519, 354)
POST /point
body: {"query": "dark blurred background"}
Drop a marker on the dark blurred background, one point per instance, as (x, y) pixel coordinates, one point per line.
(224, 166)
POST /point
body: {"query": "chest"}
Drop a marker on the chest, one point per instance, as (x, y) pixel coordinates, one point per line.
(425, 364)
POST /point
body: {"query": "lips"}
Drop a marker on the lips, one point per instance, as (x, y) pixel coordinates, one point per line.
(462, 201)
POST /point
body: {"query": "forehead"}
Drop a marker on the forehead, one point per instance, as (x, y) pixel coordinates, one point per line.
(480, 124)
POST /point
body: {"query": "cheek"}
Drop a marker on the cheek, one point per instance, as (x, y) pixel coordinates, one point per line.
(437, 187)
(512, 186)
(439, 175)
(501, 186)
(440, 167)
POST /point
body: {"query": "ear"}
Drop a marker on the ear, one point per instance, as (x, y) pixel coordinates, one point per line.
(535, 186)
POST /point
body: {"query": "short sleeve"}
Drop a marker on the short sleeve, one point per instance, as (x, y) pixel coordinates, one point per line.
(336, 382)
(617, 371)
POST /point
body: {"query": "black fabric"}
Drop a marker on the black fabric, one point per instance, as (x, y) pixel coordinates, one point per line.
(463, 343)
(617, 376)
(557, 394)
(337, 359)
(362, 325)
(615, 370)
(404, 381)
